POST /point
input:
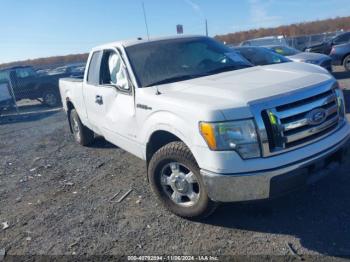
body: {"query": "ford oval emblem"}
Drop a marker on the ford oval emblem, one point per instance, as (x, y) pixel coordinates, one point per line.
(316, 116)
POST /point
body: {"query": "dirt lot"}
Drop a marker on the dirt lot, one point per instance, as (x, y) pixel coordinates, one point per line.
(55, 197)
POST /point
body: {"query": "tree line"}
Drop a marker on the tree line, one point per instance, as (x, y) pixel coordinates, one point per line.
(49, 62)
(299, 29)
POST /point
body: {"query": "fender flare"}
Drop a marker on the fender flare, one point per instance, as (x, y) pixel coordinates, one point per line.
(168, 122)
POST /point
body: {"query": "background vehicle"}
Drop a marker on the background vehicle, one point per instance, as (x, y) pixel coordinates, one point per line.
(78, 71)
(260, 56)
(211, 127)
(263, 41)
(42, 71)
(27, 84)
(326, 46)
(298, 56)
(72, 70)
(340, 55)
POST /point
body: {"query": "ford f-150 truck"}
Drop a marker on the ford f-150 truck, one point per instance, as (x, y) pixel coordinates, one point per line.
(211, 127)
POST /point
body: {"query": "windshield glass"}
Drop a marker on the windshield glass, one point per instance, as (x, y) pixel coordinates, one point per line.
(261, 56)
(285, 50)
(265, 41)
(167, 61)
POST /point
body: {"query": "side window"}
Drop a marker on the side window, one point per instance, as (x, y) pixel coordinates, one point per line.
(342, 39)
(24, 72)
(4, 76)
(93, 77)
(347, 38)
(113, 71)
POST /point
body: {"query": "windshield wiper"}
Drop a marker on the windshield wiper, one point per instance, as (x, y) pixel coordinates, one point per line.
(173, 79)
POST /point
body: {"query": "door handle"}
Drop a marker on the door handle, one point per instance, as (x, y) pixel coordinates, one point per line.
(98, 100)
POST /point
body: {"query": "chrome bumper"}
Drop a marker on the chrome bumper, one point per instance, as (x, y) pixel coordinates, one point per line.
(271, 183)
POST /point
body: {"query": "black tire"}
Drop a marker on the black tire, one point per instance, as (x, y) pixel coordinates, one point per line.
(82, 135)
(347, 63)
(178, 152)
(51, 98)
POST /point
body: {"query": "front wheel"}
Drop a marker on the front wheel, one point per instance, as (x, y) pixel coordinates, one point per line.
(175, 178)
(347, 63)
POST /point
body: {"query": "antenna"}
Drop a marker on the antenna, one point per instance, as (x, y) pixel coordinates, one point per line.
(206, 27)
(144, 15)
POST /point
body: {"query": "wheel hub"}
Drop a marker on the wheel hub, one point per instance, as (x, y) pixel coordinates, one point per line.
(180, 184)
(50, 99)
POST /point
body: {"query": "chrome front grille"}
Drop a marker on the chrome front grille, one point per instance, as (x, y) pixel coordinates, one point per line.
(296, 119)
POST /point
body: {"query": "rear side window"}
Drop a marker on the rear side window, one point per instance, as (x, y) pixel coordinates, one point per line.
(24, 72)
(4, 76)
(93, 77)
(342, 39)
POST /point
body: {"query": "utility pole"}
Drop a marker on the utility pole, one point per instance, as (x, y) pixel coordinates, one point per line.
(206, 27)
(144, 15)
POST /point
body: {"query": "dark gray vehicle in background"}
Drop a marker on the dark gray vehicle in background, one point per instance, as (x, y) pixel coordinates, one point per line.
(326, 46)
(27, 84)
(260, 56)
(340, 55)
(295, 55)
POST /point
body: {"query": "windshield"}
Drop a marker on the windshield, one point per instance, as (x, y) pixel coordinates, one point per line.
(173, 60)
(265, 41)
(261, 56)
(285, 50)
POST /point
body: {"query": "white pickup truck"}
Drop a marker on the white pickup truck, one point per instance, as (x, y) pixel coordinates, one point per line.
(211, 127)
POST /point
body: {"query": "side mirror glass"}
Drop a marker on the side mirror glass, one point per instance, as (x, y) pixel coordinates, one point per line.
(123, 79)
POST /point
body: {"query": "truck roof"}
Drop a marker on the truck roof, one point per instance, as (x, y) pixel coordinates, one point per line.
(132, 42)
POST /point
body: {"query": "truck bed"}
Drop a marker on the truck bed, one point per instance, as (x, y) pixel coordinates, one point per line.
(71, 88)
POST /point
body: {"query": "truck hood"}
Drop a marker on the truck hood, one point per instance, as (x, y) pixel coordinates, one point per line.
(232, 92)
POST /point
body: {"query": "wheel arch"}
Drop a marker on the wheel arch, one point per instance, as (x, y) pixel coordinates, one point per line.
(345, 56)
(69, 106)
(160, 138)
(45, 86)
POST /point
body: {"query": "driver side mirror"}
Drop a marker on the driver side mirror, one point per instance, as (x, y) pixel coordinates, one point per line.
(122, 82)
(122, 79)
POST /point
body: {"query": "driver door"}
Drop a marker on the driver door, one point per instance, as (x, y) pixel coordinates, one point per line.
(119, 123)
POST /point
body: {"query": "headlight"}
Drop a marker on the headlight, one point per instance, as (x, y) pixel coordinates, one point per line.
(340, 101)
(240, 136)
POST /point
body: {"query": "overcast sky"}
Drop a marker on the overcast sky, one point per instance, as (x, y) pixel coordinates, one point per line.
(40, 28)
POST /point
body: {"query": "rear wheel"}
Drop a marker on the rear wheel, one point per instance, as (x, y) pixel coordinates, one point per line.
(51, 98)
(347, 63)
(82, 134)
(175, 178)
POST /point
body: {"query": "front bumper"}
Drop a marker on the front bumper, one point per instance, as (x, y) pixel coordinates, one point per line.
(274, 182)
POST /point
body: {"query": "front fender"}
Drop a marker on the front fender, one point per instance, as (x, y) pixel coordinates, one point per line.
(170, 122)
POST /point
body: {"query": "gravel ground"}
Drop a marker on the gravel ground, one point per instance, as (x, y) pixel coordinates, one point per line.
(55, 197)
